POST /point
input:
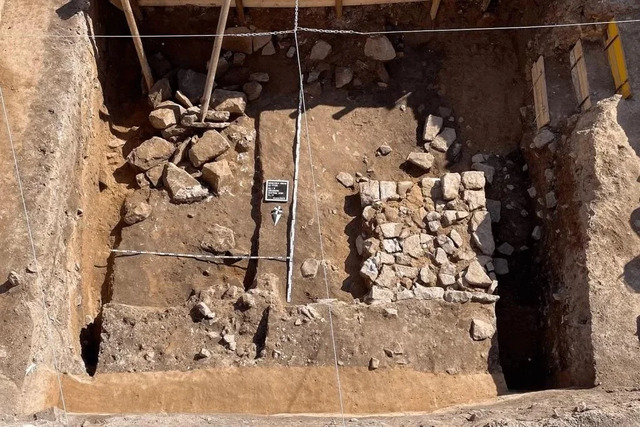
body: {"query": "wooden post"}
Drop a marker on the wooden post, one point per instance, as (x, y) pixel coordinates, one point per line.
(579, 76)
(617, 62)
(338, 9)
(539, 80)
(435, 5)
(240, 11)
(146, 70)
(215, 55)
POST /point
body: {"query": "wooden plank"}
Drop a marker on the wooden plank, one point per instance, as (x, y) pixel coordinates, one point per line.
(131, 21)
(541, 101)
(240, 12)
(617, 61)
(579, 76)
(435, 5)
(338, 8)
(215, 56)
(271, 3)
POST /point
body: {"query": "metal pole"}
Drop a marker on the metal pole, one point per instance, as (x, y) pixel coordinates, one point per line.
(215, 55)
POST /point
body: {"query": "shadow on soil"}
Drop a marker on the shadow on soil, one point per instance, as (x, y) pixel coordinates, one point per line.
(627, 118)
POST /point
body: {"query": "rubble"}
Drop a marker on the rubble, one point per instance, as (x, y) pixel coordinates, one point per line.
(379, 48)
(481, 330)
(489, 171)
(160, 92)
(150, 153)
(476, 276)
(384, 150)
(260, 77)
(309, 268)
(154, 175)
(345, 179)
(536, 234)
(494, 207)
(506, 249)
(432, 128)
(227, 100)
(444, 140)
(422, 160)
(238, 44)
(260, 41)
(501, 266)
(320, 51)
(166, 114)
(544, 137)
(211, 145)
(252, 89)
(218, 175)
(202, 311)
(343, 76)
(14, 279)
(182, 99)
(218, 240)
(182, 187)
(136, 208)
(550, 200)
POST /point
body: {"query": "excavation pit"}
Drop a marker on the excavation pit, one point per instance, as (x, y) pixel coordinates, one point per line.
(150, 260)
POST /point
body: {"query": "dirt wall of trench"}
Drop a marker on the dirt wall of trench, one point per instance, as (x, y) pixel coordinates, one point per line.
(52, 97)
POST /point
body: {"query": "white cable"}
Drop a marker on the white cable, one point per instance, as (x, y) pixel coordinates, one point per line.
(183, 255)
(301, 103)
(471, 29)
(8, 35)
(35, 258)
(329, 31)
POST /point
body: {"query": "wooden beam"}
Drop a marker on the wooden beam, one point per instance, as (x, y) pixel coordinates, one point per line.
(269, 3)
(338, 8)
(215, 56)
(240, 11)
(617, 61)
(579, 76)
(131, 20)
(435, 5)
(539, 80)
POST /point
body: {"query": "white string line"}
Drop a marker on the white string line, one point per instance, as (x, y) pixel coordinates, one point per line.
(469, 29)
(183, 255)
(317, 212)
(143, 36)
(330, 31)
(35, 259)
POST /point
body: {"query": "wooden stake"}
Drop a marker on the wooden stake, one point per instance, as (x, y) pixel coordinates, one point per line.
(435, 5)
(146, 70)
(338, 8)
(215, 55)
(541, 101)
(240, 11)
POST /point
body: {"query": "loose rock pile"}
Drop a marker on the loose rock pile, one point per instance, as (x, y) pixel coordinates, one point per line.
(185, 157)
(428, 240)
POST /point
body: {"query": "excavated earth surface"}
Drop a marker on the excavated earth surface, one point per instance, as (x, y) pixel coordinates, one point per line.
(144, 334)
